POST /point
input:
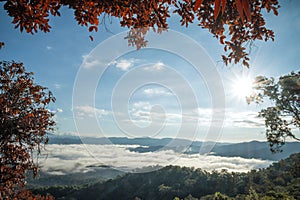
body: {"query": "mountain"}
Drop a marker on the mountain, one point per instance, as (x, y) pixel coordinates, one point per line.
(144, 141)
(253, 149)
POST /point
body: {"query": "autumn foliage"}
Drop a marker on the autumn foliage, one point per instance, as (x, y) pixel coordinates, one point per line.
(24, 123)
(235, 23)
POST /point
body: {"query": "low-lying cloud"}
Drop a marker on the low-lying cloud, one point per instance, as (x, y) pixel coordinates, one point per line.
(62, 159)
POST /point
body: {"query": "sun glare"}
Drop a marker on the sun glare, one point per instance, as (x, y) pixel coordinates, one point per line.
(242, 87)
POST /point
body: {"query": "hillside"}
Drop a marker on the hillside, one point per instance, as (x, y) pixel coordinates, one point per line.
(281, 180)
(96, 174)
(255, 149)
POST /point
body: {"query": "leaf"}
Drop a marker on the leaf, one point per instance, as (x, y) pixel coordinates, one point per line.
(96, 22)
(239, 8)
(246, 8)
(223, 5)
(246, 64)
(275, 12)
(1, 45)
(222, 39)
(217, 8)
(197, 5)
(92, 28)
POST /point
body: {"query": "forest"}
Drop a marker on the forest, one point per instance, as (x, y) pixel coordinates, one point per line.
(281, 180)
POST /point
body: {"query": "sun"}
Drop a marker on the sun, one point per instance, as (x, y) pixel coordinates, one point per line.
(242, 87)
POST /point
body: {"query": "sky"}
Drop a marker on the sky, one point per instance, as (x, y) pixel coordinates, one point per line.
(175, 87)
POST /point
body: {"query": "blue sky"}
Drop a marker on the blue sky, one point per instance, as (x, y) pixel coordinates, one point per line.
(128, 87)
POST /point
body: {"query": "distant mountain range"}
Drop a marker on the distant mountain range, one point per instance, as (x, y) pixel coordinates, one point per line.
(253, 149)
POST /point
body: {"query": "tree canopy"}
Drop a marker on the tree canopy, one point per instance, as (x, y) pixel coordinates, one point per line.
(278, 181)
(282, 118)
(235, 23)
(24, 122)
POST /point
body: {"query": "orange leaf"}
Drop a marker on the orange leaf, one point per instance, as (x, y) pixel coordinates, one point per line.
(222, 39)
(96, 22)
(223, 5)
(217, 8)
(239, 8)
(246, 8)
(197, 5)
(92, 28)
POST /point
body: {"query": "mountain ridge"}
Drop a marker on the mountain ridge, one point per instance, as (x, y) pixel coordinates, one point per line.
(251, 149)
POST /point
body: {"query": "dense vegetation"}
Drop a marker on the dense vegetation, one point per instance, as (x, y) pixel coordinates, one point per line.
(281, 180)
(25, 121)
(282, 117)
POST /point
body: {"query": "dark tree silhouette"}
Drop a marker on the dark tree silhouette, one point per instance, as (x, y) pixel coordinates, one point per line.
(235, 23)
(24, 122)
(282, 119)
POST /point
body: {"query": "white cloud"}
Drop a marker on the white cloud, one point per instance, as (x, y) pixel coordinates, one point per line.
(48, 47)
(59, 110)
(140, 112)
(76, 158)
(157, 91)
(159, 66)
(141, 105)
(89, 111)
(89, 62)
(240, 119)
(57, 86)
(124, 64)
(143, 112)
(246, 119)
